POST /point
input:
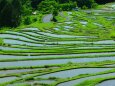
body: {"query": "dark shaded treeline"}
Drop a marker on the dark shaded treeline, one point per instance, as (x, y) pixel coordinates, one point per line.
(36, 2)
(104, 1)
(10, 13)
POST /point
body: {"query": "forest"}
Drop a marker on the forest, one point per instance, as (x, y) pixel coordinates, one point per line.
(12, 11)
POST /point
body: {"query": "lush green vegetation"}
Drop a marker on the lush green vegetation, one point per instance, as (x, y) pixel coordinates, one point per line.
(56, 42)
(14, 12)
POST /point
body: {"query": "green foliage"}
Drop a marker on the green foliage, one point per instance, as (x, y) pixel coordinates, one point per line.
(55, 13)
(87, 3)
(35, 19)
(34, 3)
(84, 7)
(26, 7)
(112, 34)
(47, 6)
(1, 41)
(27, 21)
(94, 5)
(50, 6)
(67, 6)
(62, 1)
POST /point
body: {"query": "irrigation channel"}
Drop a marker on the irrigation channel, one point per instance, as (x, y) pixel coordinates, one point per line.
(58, 57)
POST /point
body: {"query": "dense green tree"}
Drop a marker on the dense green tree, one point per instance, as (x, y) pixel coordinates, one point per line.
(55, 13)
(26, 7)
(47, 6)
(87, 3)
(62, 1)
(10, 13)
(11, 10)
(6, 15)
(35, 3)
(16, 13)
(2, 5)
(104, 1)
(98, 1)
(27, 21)
(67, 6)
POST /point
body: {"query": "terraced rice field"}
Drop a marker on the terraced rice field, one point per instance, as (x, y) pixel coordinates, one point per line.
(60, 56)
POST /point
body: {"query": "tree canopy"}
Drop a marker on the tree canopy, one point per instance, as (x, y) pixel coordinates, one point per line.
(10, 13)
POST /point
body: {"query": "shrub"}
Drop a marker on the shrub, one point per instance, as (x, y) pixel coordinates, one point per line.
(35, 19)
(87, 3)
(47, 6)
(27, 21)
(26, 7)
(84, 7)
(67, 6)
